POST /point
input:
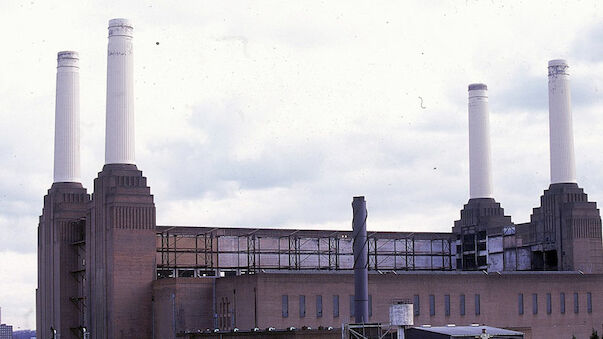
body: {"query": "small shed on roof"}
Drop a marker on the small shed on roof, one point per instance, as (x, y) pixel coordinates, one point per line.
(461, 332)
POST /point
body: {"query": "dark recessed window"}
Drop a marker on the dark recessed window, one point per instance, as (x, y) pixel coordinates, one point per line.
(447, 305)
(576, 305)
(302, 306)
(335, 306)
(589, 302)
(285, 302)
(477, 305)
(416, 306)
(431, 305)
(562, 303)
(520, 303)
(319, 306)
(534, 303)
(549, 306)
(462, 302)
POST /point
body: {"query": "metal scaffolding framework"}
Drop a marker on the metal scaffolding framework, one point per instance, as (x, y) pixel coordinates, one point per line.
(205, 251)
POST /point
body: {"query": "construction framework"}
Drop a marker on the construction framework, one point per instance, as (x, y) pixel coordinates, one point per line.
(207, 251)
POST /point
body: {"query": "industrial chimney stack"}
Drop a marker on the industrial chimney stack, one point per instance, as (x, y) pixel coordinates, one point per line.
(67, 119)
(119, 133)
(360, 260)
(121, 264)
(480, 163)
(561, 136)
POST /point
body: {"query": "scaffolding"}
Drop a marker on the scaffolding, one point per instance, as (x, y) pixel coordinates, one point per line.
(207, 251)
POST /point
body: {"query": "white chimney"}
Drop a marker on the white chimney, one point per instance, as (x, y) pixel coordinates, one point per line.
(480, 177)
(119, 132)
(563, 166)
(67, 119)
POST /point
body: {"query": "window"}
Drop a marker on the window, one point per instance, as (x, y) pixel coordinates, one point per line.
(302, 306)
(416, 306)
(319, 306)
(285, 300)
(335, 306)
(562, 303)
(520, 303)
(477, 308)
(431, 305)
(589, 302)
(549, 307)
(576, 308)
(447, 305)
(370, 305)
(534, 303)
(462, 302)
(351, 305)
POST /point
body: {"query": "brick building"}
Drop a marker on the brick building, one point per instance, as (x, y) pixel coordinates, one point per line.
(106, 270)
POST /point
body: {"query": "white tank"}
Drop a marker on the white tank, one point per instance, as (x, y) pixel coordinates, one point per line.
(401, 314)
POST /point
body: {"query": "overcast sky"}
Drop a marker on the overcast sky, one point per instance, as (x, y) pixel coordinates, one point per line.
(275, 114)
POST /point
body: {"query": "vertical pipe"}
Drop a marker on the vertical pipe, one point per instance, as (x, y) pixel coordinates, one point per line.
(480, 164)
(67, 119)
(561, 137)
(119, 132)
(360, 260)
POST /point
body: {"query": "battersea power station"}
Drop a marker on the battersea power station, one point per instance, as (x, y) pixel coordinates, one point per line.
(106, 270)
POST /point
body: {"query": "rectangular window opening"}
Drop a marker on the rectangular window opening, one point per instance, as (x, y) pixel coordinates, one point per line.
(319, 306)
(302, 306)
(549, 306)
(534, 303)
(477, 305)
(589, 302)
(447, 305)
(285, 301)
(416, 306)
(431, 305)
(576, 305)
(462, 302)
(520, 303)
(562, 302)
(335, 306)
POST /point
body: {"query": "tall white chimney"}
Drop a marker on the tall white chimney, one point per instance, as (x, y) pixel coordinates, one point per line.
(67, 119)
(480, 177)
(119, 132)
(561, 135)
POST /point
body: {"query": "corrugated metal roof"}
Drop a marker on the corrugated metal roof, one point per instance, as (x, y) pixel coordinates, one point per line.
(467, 330)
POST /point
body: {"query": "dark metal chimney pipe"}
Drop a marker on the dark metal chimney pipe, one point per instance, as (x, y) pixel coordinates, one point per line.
(360, 260)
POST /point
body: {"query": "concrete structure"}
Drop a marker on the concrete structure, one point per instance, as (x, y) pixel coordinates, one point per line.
(105, 270)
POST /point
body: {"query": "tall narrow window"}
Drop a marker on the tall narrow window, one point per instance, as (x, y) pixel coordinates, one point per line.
(520, 303)
(447, 305)
(462, 302)
(415, 305)
(431, 305)
(576, 306)
(351, 305)
(370, 305)
(562, 303)
(589, 302)
(302, 306)
(477, 306)
(319, 306)
(335, 306)
(534, 303)
(285, 301)
(549, 307)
